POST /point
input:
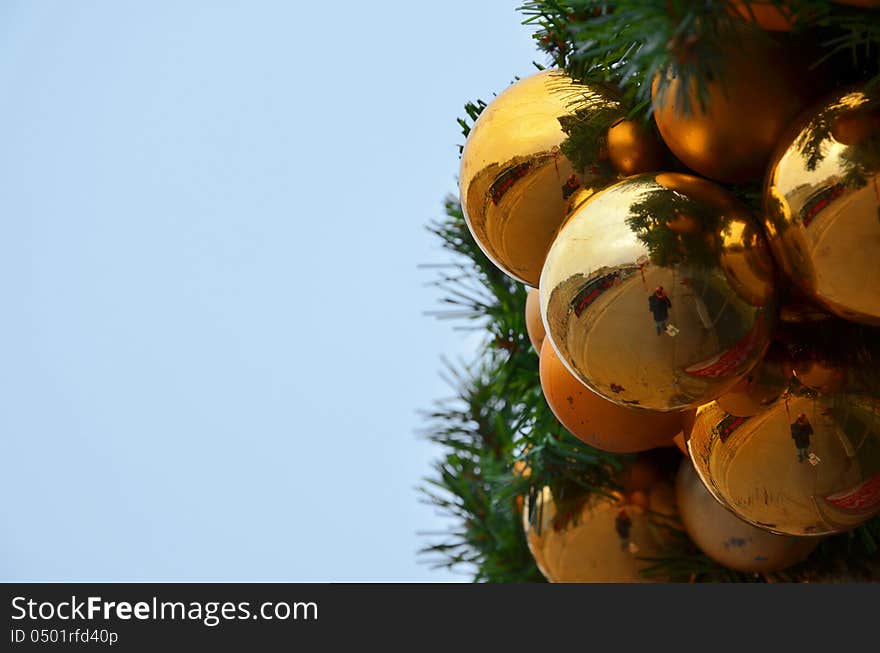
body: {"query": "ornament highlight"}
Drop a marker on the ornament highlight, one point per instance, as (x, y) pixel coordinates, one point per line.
(515, 178)
(726, 538)
(658, 293)
(597, 421)
(822, 205)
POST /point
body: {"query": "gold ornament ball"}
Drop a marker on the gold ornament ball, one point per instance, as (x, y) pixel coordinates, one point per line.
(682, 345)
(534, 325)
(597, 421)
(600, 540)
(633, 148)
(760, 387)
(808, 465)
(822, 206)
(726, 538)
(748, 106)
(515, 181)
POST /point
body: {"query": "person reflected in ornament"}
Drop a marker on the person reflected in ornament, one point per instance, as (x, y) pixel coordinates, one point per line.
(571, 185)
(623, 524)
(801, 430)
(659, 305)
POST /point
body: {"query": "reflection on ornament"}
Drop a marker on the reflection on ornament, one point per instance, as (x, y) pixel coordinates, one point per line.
(633, 148)
(821, 375)
(802, 313)
(597, 421)
(822, 206)
(726, 538)
(617, 276)
(723, 140)
(760, 467)
(760, 387)
(600, 540)
(534, 325)
(515, 178)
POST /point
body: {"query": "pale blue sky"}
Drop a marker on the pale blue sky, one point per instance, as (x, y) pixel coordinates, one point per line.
(213, 347)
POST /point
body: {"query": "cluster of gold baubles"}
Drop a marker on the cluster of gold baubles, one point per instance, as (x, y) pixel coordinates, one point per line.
(657, 297)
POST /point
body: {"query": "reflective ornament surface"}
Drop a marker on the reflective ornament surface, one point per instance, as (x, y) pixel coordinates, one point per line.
(726, 538)
(597, 421)
(534, 324)
(633, 148)
(600, 540)
(515, 179)
(748, 106)
(808, 465)
(760, 387)
(684, 344)
(822, 206)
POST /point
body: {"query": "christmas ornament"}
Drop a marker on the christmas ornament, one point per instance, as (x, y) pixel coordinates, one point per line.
(726, 538)
(651, 315)
(599, 539)
(768, 15)
(822, 205)
(748, 105)
(808, 465)
(760, 387)
(516, 179)
(597, 421)
(534, 325)
(633, 148)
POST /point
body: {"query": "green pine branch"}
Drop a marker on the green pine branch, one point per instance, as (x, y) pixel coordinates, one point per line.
(498, 416)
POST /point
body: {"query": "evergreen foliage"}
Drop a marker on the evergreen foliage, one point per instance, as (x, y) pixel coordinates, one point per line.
(498, 423)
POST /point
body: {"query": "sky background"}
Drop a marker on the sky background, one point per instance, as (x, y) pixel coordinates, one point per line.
(213, 349)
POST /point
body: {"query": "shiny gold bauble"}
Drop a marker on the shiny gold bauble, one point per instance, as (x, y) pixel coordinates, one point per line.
(597, 421)
(760, 387)
(822, 206)
(534, 325)
(748, 106)
(590, 543)
(726, 538)
(609, 258)
(515, 182)
(769, 16)
(773, 473)
(633, 148)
